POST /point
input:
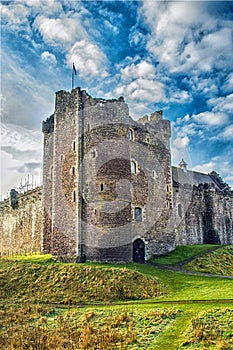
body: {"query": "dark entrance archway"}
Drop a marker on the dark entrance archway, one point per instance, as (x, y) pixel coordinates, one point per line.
(139, 251)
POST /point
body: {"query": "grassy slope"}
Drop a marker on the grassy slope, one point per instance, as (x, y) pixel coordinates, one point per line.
(165, 326)
(182, 253)
(217, 262)
(72, 283)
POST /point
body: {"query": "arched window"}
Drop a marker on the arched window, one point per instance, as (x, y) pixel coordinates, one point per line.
(131, 134)
(133, 167)
(180, 210)
(138, 214)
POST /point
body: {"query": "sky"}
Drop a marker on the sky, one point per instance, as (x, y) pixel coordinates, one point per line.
(169, 55)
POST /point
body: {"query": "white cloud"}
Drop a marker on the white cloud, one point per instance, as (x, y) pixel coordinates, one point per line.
(228, 85)
(205, 168)
(140, 70)
(88, 59)
(211, 118)
(49, 57)
(60, 30)
(222, 104)
(181, 142)
(15, 14)
(185, 37)
(227, 133)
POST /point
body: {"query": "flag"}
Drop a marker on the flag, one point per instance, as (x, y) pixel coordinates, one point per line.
(74, 69)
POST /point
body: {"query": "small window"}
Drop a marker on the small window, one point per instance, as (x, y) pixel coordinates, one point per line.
(101, 187)
(168, 189)
(133, 167)
(138, 214)
(93, 153)
(167, 204)
(180, 210)
(74, 146)
(131, 134)
(51, 173)
(73, 170)
(74, 196)
(61, 157)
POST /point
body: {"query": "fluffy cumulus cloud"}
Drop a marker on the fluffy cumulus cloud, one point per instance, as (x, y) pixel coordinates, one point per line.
(88, 59)
(186, 38)
(227, 133)
(210, 118)
(60, 30)
(49, 57)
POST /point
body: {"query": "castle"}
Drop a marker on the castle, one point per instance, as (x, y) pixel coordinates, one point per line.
(110, 192)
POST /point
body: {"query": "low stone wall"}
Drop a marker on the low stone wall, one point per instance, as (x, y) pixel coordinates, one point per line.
(21, 224)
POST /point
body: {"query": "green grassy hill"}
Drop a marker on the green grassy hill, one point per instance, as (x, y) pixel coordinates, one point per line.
(23, 280)
(219, 262)
(44, 306)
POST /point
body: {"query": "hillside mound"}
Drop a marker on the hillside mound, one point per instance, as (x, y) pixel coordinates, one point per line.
(219, 262)
(72, 283)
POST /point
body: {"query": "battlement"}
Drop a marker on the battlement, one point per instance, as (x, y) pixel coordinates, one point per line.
(48, 125)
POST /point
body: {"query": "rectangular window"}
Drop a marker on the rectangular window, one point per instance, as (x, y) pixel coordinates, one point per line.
(138, 214)
(73, 170)
(74, 196)
(74, 146)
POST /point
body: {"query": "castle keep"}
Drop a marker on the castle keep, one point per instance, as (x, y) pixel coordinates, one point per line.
(109, 190)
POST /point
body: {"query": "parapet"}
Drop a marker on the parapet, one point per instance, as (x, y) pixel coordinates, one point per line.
(154, 117)
(48, 125)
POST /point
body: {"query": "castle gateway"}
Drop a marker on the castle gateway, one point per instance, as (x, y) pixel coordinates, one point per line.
(110, 192)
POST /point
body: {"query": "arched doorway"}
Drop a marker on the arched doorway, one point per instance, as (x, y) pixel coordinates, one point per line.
(139, 251)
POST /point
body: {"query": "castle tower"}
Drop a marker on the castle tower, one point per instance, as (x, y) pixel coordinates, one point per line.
(107, 189)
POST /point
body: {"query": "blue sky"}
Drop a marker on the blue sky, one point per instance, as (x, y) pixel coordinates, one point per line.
(175, 56)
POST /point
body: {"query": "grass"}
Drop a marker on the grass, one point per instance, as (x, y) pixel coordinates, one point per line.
(219, 262)
(72, 283)
(182, 253)
(202, 334)
(195, 313)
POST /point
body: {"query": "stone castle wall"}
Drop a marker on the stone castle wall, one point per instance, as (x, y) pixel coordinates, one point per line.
(21, 227)
(203, 215)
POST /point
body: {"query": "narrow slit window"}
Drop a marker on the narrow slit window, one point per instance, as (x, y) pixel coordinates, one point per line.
(51, 173)
(74, 146)
(74, 196)
(101, 187)
(73, 170)
(180, 210)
